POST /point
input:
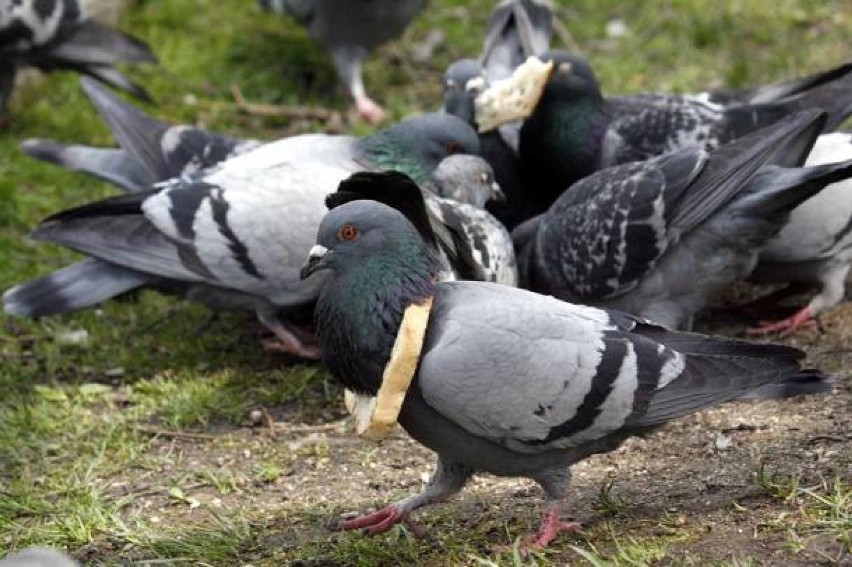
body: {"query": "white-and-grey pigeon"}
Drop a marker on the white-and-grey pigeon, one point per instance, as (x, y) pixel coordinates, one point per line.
(815, 246)
(660, 238)
(508, 382)
(350, 30)
(57, 34)
(234, 234)
(38, 557)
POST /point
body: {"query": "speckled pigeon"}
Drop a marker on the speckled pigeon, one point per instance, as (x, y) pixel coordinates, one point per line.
(575, 130)
(517, 29)
(660, 238)
(815, 246)
(234, 234)
(350, 30)
(509, 382)
(472, 244)
(57, 34)
(151, 150)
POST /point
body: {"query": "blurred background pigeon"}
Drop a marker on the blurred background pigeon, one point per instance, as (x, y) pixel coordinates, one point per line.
(509, 382)
(350, 30)
(57, 35)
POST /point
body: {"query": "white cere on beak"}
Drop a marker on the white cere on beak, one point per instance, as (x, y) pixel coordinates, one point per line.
(317, 251)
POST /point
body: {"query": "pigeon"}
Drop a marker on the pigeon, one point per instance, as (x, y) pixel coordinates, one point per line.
(472, 244)
(233, 236)
(57, 34)
(350, 30)
(38, 557)
(151, 151)
(574, 130)
(508, 381)
(517, 30)
(659, 238)
(815, 246)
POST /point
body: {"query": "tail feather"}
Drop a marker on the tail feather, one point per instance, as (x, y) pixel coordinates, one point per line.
(114, 166)
(94, 43)
(775, 191)
(806, 383)
(137, 132)
(72, 288)
(517, 30)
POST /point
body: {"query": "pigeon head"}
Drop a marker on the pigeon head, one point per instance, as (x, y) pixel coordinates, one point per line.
(467, 179)
(572, 78)
(417, 145)
(372, 238)
(459, 92)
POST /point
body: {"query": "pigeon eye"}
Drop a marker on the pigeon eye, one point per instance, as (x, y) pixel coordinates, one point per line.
(483, 177)
(347, 232)
(453, 147)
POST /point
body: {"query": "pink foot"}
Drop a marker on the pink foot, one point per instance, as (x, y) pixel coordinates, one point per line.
(370, 110)
(292, 340)
(381, 521)
(552, 526)
(785, 327)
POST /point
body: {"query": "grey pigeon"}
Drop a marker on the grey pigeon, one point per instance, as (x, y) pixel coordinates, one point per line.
(815, 246)
(509, 382)
(350, 30)
(57, 34)
(151, 151)
(575, 130)
(38, 557)
(660, 238)
(517, 30)
(234, 234)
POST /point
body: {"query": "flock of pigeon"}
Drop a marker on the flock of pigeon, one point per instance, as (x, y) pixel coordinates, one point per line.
(620, 217)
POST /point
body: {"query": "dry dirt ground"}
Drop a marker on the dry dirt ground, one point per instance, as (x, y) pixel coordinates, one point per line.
(692, 484)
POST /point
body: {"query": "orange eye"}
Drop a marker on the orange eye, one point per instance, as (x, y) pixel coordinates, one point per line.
(453, 147)
(347, 232)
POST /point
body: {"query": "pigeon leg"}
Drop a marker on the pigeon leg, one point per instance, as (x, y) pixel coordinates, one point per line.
(288, 338)
(347, 61)
(785, 327)
(765, 303)
(449, 478)
(555, 483)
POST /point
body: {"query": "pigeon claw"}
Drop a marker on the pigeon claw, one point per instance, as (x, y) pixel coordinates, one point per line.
(552, 526)
(369, 110)
(380, 521)
(785, 327)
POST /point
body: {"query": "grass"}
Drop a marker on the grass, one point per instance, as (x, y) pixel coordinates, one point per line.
(124, 431)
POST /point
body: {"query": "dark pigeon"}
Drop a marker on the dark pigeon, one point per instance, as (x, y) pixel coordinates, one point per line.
(575, 130)
(660, 238)
(517, 30)
(57, 35)
(509, 382)
(350, 30)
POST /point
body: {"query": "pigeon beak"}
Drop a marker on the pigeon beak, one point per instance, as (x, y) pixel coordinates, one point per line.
(317, 260)
(497, 195)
